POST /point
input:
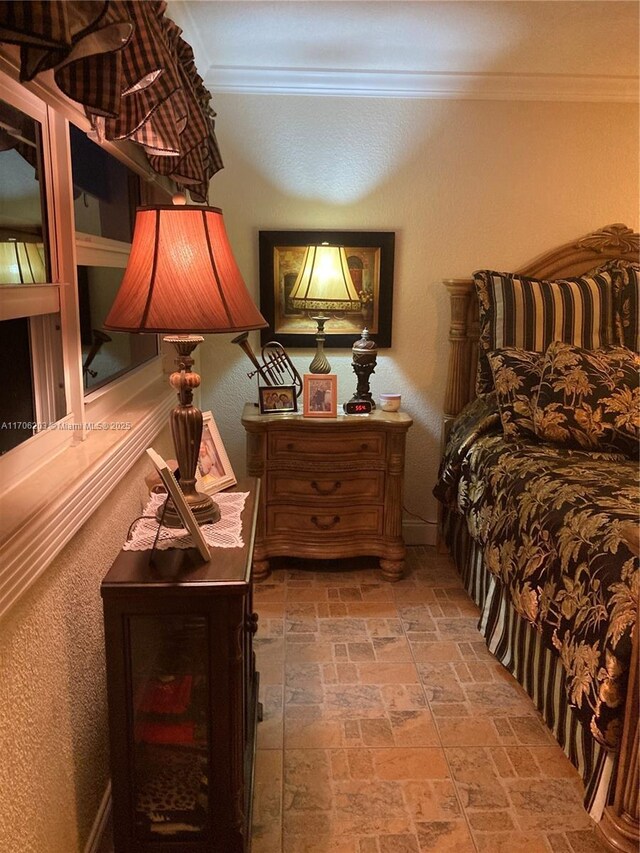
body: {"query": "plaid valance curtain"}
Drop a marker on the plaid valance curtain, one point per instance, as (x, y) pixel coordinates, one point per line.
(126, 63)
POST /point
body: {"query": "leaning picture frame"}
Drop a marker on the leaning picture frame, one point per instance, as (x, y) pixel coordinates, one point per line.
(213, 471)
(370, 256)
(183, 509)
(320, 395)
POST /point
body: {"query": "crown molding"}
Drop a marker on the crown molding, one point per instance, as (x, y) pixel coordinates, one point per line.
(426, 85)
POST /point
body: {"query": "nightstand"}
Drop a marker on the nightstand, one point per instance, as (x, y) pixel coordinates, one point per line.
(331, 487)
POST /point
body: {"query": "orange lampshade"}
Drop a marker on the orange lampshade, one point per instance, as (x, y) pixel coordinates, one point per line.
(182, 276)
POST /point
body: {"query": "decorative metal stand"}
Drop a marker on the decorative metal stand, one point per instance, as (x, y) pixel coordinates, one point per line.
(365, 353)
(276, 368)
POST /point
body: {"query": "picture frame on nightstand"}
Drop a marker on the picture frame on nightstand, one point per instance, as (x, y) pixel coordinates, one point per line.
(320, 395)
(277, 399)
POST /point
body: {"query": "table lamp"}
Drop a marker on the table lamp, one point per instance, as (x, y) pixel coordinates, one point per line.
(324, 284)
(182, 279)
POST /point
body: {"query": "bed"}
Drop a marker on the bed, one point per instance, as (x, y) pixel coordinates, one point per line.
(538, 491)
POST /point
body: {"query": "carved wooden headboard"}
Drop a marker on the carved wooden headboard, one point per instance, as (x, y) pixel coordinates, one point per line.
(614, 241)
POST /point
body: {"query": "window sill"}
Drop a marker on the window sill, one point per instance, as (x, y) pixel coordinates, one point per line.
(69, 487)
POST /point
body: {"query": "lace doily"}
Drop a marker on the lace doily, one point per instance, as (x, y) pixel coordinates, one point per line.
(226, 533)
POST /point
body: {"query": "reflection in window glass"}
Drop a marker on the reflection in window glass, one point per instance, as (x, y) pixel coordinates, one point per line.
(32, 392)
(17, 406)
(106, 355)
(23, 248)
(31, 345)
(22, 263)
(105, 192)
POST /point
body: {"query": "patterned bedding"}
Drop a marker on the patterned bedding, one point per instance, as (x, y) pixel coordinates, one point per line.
(551, 523)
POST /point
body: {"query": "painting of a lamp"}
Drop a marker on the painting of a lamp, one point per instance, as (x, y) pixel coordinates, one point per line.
(324, 284)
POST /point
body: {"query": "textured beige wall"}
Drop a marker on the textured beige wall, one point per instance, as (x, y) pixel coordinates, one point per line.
(53, 722)
(464, 184)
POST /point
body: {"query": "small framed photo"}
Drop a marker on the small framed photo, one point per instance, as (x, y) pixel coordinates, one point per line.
(320, 395)
(213, 472)
(277, 399)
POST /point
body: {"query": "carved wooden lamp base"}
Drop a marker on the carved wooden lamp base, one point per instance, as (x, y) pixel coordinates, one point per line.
(186, 431)
(206, 513)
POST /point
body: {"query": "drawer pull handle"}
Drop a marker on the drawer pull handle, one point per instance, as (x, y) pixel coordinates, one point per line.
(321, 526)
(330, 491)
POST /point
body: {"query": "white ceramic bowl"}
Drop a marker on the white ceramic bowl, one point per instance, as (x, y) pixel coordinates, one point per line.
(390, 402)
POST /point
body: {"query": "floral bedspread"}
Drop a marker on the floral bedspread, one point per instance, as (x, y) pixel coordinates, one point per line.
(552, 523)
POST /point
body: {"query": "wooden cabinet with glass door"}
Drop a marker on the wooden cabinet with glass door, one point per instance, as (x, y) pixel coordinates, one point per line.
(183, 696)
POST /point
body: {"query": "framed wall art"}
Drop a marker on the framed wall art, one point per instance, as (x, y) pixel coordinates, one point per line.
(213, 471)
(370, 258)
(320, 395)
(277, 399)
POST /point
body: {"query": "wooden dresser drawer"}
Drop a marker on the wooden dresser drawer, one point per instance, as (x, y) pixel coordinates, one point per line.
(298, 521)
(365, 486)
(363, 445)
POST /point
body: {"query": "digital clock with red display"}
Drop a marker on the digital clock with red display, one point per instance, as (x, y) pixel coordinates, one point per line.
(358, 407)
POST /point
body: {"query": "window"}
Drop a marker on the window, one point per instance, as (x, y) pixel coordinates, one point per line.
(106, 194)
(32, 391)
(24, 241)
(106, 355)
(78, 433)
(105, 191)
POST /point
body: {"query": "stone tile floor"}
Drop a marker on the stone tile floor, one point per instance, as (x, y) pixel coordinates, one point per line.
(389, 728)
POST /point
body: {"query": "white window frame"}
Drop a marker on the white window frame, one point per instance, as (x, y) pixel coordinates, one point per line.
(60, 475)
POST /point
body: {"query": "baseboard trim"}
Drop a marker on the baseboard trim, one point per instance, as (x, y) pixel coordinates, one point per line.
(418, 532)
(102, 817)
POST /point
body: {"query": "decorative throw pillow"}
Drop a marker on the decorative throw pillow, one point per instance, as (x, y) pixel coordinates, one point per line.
(516, 377)
(589, 400)
(626, 300)
(529, 313)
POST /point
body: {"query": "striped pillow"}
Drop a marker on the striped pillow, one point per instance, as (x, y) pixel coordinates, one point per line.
(529, 314)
